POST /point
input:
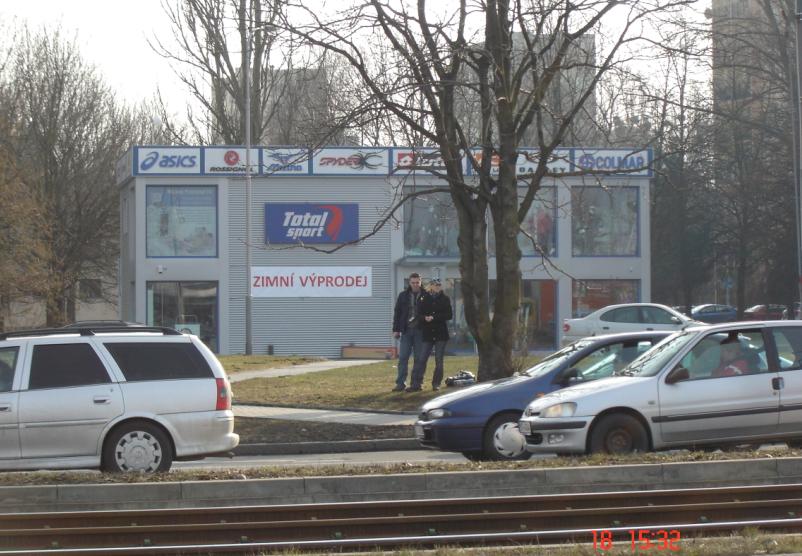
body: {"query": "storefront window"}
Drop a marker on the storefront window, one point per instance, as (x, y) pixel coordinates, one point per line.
(430, 226)
(589, 295)
(604, 221)
(186, 306)
(181, 221)
(540, 223)
(536, 317)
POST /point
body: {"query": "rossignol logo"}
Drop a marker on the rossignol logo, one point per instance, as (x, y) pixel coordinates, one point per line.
(168, 161)
(234, 164)
(322, 221)
(231, 158)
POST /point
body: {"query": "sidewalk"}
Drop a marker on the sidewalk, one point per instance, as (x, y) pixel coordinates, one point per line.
(320, 416)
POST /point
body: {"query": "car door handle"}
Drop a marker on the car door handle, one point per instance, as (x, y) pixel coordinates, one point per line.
(650, 329)
(5, 407)
(777, 383)
(101, 400)
(605, 328)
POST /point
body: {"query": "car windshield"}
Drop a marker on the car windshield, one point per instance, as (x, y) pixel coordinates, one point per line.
(651, 362)
(556, 359)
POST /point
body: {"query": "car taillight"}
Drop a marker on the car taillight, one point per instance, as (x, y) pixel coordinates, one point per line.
(566, 327)
(223, 395)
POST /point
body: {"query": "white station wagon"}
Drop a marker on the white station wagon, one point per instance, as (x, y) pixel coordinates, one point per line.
(121, 399)
(715, 386)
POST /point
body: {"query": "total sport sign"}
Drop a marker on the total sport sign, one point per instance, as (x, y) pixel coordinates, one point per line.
(174, 160)
(311, 281)
(311, 222)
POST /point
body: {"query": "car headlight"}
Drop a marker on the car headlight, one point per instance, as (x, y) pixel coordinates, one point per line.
(438, 413)
(559, 410)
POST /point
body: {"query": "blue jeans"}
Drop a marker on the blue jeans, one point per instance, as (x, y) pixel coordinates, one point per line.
(420, 366)
(411, 344)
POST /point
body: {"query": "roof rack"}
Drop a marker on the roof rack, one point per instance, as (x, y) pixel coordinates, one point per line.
(90, 331)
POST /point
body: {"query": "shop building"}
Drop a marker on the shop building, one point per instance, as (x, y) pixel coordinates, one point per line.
(183, 246)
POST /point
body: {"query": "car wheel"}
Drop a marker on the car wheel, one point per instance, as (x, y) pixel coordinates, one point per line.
(474, 456)
(795, 443)
(618, 434)
(503, 440)
(137, 447)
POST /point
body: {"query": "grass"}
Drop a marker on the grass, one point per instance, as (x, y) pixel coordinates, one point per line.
(364, 387)
(237, 363)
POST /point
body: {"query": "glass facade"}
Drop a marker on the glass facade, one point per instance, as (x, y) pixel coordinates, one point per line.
(430, 226)
(186, 306)
(589, 295)
(536, 323)
(540, 223)
(181, 221)
(604, 221)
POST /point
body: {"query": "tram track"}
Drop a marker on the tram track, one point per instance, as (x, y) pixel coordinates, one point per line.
(392, 524)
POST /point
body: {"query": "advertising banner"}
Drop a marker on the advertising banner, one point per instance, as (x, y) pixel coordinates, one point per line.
(285, 161)
(228, 160)
(167, 160)
(311, 281)
(351, 161)
(625, 162)
(528, 159)
(311, 222)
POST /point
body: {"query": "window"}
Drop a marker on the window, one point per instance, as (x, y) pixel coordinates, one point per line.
(186, 306)
(624, 314)
(725, 354)
(789, 347)
(8, 362)
(540, 223)
(159, 361)
(181, 221)
(610, 358)
(656, 315)
(430, 226)
(90, 289)
(604, 221)
(590, 295)
(63, 365)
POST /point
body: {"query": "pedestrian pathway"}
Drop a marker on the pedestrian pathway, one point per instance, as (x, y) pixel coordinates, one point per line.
(314, 367)
(324, 415)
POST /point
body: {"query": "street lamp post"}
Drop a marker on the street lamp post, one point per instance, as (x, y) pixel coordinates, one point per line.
(248, 191)
(797, 154)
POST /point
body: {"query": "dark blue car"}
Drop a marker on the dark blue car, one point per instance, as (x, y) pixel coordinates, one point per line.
(713, 312)
(481, 421)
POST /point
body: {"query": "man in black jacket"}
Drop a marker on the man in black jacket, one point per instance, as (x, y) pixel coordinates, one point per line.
(407, 327)
(436, 311)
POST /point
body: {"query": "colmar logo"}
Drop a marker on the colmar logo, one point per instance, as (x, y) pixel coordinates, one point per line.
(231, 158)
(168, 161)
(314, 225)
(590, 162)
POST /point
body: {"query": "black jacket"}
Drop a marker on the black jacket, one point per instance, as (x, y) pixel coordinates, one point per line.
(402, 310)
(439, 307)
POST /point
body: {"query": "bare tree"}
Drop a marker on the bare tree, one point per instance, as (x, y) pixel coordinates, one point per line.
(437, 54)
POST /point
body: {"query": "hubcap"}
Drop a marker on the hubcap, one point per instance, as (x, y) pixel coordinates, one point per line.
(508, 440)
(138, 451)
(619, 441)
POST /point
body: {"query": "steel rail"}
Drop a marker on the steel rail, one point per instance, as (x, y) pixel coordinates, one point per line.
(578, 535)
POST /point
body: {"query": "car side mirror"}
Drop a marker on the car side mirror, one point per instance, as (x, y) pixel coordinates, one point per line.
(677, 374)
(569, 375)
(676, 320)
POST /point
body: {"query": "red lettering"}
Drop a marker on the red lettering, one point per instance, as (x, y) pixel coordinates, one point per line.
(286, 281)
(339, 281)
(256, 280)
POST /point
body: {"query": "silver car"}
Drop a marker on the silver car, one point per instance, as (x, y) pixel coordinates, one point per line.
(712, 386)
(121, 399)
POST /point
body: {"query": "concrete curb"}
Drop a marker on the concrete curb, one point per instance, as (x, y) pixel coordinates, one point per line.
(322, 408)
(339, 447)
(306, 490)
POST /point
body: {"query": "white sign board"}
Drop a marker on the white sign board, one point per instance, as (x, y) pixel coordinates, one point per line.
(623, 161)
(351, 161)
(311, 281)
(168, 160)
(285, 161)
(228, 160)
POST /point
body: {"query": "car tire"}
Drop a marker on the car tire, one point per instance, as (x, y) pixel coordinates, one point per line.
(795, 443)
(618, 434)
(137, 446)
(502, 440)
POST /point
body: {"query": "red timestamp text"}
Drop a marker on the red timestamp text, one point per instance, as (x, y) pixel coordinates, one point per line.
(639, 539)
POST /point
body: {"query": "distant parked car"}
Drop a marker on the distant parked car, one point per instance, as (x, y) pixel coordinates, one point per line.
(628, 317)
(482, 421)
(766, 312)
(712, 313)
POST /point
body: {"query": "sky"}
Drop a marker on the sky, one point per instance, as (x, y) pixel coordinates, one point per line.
(112, 35)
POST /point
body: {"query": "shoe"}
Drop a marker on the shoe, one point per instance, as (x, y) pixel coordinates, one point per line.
(435, 387)
(413, 389)
(398, 389)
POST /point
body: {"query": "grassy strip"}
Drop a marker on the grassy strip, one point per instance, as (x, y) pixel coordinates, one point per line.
(365, 387)
(253, 430)
(90, 477)
(236, 363)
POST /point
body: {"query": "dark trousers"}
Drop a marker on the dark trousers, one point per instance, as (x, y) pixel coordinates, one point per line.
(411, 343)
(420, 368)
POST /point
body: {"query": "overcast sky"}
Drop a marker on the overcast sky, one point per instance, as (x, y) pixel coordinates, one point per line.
(112, 35)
